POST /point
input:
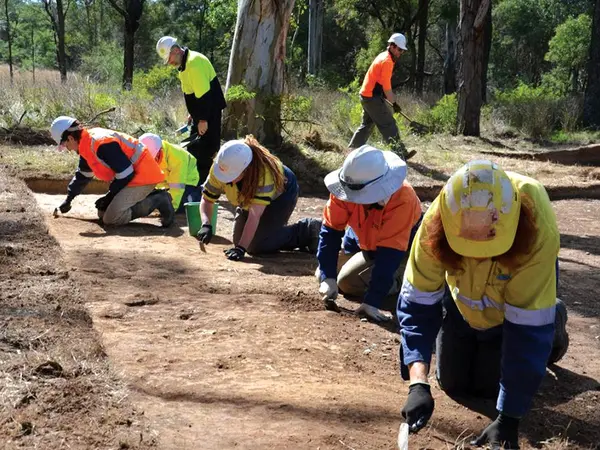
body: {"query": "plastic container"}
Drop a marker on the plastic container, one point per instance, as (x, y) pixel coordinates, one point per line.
(194, 219)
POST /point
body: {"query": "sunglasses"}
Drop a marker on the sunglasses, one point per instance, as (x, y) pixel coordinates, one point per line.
(359, 186)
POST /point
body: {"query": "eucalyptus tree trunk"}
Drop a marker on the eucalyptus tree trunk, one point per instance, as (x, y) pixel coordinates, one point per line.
(473, 15)
(258, 63)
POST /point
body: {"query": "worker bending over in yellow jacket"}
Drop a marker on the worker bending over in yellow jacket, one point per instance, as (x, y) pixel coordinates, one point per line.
(179, 166)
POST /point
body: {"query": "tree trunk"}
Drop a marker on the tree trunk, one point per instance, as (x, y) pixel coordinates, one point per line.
(471, 50)
(9, 41)
(315, 33)
(450, 61)
(258, 62)
(487, 48)
(131, 16)
(423, 14)
(128, 60)
(60, 35)
(591, 103)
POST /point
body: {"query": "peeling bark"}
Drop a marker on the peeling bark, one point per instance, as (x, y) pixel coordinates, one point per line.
(258, 62)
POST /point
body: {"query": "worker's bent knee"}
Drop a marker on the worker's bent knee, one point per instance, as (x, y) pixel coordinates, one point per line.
(350, 283)
(116, 220)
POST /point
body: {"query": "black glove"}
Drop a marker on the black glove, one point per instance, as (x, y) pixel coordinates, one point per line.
(397, 108)
(65, 206)
(236, 253)
(501, 433)
(418, 407)
(103, 202)
(205, 234)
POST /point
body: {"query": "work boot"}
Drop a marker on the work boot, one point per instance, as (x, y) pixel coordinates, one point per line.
(561, 337)
(157, 199)
(165, 208)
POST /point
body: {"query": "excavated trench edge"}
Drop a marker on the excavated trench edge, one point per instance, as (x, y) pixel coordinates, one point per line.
(425, 193)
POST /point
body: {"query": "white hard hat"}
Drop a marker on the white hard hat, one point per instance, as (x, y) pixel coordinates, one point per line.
(62, 124)
(152, 142)
(231, 160)
(368, 175)
(398, 39)
(163, 47)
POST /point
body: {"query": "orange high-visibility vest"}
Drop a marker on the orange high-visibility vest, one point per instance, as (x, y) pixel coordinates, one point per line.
(146, 170)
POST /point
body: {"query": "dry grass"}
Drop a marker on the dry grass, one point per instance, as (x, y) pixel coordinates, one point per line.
(39, 161)
(37, 104)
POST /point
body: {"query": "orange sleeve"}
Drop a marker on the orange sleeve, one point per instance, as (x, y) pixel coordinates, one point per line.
(385, 75)
(336, 214)
(399, 220)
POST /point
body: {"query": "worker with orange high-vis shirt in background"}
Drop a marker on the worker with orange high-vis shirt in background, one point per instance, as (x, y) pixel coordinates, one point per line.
(375, 93)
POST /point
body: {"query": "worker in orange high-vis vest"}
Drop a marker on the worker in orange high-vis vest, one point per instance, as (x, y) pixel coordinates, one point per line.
(119, 159)
(376, 96)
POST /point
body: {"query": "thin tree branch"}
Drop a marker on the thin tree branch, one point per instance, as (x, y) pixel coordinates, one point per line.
(435, 49)
(67, 8)
(120, 10)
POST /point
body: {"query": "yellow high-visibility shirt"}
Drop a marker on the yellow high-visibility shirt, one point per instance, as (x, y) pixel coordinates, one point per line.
(485, 291)
(180, 170)
(265, 193)
(198, 74)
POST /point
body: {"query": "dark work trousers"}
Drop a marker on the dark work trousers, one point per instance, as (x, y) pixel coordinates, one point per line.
(191, 194)
(273, 233)
(376, 112)
(205, 149)
(467, 360)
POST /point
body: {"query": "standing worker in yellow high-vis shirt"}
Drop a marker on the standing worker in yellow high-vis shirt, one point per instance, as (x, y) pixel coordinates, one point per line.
(203, 97)
(179, 167)
(486, 253)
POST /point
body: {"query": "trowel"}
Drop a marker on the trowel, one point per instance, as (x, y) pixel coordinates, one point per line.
(403, 436)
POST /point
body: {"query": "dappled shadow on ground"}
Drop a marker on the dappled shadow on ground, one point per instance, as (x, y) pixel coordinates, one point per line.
(578, 289)
(308, 171)
(590, 244)
(428, 172)
(544, 422)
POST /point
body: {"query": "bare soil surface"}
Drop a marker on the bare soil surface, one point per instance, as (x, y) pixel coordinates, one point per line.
(221, 354)
(56, 386)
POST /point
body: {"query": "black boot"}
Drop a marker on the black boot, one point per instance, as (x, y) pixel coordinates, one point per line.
(561, 337)
(157, 199)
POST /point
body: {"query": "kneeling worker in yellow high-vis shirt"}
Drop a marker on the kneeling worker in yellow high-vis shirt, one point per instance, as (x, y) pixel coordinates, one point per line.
(179, 166)
(486, 253)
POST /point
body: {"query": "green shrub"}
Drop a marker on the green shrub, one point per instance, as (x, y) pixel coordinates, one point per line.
(295, 107)
(534, 111)
(158, 80)
(346, 115)
(442, 117)
(239, 93)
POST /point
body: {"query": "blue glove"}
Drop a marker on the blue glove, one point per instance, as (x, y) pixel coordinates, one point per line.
(236, 253)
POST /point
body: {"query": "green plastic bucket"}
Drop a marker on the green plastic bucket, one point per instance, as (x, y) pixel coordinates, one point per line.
(194, 220)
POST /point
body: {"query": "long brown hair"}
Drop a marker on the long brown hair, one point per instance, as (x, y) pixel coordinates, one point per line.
(261, 157)
(522, 245)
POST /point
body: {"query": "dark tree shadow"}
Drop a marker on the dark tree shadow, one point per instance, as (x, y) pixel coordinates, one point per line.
(429, 172)
(542, 422)
(590, 244)
(135, 229)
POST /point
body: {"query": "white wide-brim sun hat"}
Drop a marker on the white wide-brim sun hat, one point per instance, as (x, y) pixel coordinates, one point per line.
(367, 176)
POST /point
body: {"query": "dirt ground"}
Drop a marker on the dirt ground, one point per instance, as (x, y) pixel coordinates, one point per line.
(56, 387)
(220, 354)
